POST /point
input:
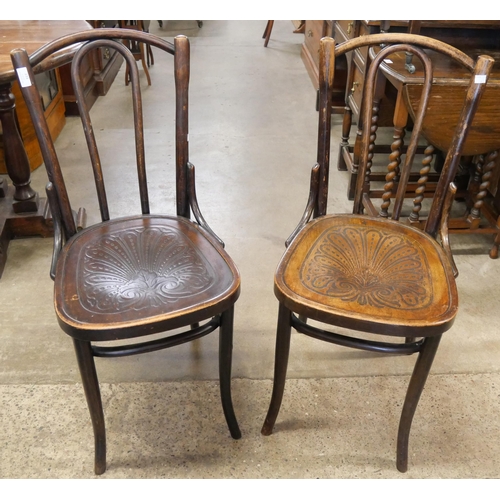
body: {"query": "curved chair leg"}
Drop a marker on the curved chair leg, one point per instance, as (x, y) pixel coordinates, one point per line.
(225, 362)
(93, 394)
(415, 388)
(283, 335)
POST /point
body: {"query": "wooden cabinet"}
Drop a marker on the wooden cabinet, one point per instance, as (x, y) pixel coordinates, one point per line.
(49, 86)
(356, 62)
(99, 71)
(313, 32)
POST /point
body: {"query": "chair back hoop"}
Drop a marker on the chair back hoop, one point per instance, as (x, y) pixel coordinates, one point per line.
(411, 44)
(88, 41)
(89, 130)
(366, 154)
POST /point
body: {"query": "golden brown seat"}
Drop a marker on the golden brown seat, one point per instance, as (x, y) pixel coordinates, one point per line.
(369, 272)
(137, 275)
(376, 275)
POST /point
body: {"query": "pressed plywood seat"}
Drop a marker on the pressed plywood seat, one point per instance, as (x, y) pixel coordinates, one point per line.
(368, 274)
(140, 272)
(133, 276)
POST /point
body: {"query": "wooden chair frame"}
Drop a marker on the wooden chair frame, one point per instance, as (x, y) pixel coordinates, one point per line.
(81, 307)
(299, 300)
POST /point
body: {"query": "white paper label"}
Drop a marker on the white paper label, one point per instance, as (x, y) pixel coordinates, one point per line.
(480, 79)
(24, 77)
(387, 61)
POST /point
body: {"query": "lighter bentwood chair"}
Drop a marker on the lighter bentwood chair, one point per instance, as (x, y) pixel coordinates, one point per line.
(377, 275)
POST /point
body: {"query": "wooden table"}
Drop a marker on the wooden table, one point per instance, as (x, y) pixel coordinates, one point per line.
(483, 141)
(398, 95)
(22, 212)
(471, 37)
(450, 80)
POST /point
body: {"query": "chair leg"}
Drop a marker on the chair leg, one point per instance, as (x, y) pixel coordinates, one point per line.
(90, 382)
(225, 362)
(144, 65)
(267, 32)
(283, 336)
(149, 56)
(415, 388)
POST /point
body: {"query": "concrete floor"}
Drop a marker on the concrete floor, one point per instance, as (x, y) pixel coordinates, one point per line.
(252, 138)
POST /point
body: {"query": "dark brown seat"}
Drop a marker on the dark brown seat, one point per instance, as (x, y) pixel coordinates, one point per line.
(134, 276)
(376, 275)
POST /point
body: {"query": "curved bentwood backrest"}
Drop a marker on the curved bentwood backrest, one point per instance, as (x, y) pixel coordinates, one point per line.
(88, 41)
(386, 45)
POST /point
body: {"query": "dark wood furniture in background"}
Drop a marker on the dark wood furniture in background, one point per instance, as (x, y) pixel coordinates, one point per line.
(313, 32)
(98, 73)
(465, 35)
(139, 275)
(299, 28)
(22, 212)
(374, 275)
(267, 32)
(50, 86)
(142, 52)
(477, 178)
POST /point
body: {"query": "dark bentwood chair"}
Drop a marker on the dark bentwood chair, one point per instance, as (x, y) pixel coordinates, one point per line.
(376, 275)
(136, 275)
(142, 52)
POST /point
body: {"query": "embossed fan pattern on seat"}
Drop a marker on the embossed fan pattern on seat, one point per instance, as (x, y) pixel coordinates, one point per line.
(364, 265)
(141, 268)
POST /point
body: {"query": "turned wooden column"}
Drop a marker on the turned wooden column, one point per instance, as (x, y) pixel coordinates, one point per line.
(22, 212)
(16, 159)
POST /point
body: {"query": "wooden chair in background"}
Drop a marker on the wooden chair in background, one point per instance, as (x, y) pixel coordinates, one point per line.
(376, 275)
(269, 28)
(133, 276)
(141, 51)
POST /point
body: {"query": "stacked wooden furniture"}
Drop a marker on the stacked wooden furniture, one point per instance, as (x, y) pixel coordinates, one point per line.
(98, 73)
(313, 32)
(476, 178)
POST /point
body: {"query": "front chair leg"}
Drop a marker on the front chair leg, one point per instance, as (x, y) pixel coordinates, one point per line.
(415, 388)
(90, 382)
(283, 336)
(225, 362)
